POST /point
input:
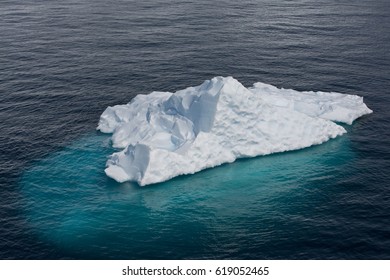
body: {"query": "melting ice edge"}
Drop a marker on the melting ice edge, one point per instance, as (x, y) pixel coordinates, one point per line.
(166, 134)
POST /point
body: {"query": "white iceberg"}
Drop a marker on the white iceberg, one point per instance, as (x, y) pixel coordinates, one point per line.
(168, 134)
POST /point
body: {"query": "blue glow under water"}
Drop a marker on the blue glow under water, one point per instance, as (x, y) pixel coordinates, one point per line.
(248, 209)
(63, 62)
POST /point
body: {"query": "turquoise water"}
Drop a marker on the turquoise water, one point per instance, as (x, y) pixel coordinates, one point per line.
(230, 211)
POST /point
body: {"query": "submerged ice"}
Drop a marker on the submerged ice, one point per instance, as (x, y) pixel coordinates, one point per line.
(166, 134)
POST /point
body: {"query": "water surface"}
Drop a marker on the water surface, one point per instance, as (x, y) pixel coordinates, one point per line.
(63, 62)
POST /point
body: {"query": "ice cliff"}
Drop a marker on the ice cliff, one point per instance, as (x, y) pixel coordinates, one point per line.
(166, 134)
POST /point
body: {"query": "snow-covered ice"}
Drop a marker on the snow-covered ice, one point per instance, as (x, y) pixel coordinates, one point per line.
(166, 134)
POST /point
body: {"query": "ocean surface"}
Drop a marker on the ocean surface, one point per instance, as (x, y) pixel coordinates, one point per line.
(63, 62)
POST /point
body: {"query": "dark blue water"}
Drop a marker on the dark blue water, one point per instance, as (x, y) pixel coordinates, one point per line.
(63, 62)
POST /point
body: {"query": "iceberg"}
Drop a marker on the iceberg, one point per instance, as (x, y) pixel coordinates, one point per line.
(163, 135)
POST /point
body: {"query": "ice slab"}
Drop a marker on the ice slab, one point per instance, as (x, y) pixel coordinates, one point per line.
(332, 106)
(166, 134)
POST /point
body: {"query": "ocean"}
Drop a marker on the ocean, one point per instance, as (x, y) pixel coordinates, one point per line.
(63, 62)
